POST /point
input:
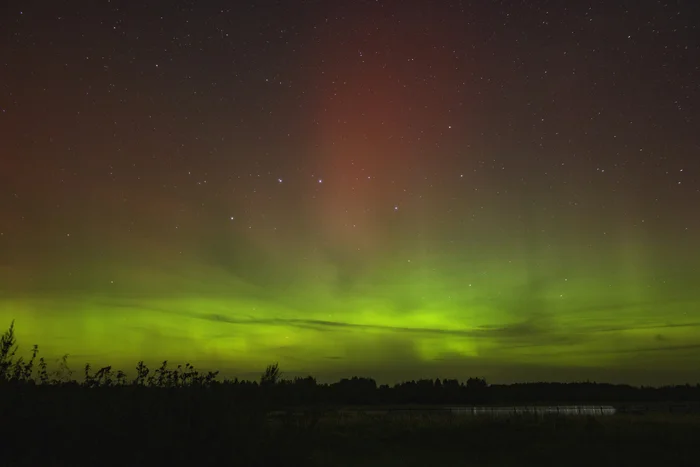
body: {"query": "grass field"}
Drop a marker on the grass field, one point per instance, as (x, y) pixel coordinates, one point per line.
(188, 431)
(516, 441)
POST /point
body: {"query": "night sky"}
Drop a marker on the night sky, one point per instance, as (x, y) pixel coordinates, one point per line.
(394, 189)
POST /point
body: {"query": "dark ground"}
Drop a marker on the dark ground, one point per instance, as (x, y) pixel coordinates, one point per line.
(179, 431)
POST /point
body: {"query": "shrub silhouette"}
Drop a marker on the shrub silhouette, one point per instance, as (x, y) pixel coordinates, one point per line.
(271, 376)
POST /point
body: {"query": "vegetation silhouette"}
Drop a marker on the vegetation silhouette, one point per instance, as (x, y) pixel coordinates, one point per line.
(179, 415)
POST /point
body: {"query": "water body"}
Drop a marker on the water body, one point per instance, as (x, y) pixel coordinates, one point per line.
(504, 411)
(568, 410)
(475, 411)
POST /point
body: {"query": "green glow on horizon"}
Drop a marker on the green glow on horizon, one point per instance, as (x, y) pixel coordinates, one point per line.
(415, 319)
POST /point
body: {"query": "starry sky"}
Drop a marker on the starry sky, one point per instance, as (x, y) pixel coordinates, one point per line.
(395, 189)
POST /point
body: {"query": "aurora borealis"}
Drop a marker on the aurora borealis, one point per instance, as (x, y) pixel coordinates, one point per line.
(388, 189)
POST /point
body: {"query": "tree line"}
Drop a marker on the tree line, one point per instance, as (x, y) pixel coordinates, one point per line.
(278, 391)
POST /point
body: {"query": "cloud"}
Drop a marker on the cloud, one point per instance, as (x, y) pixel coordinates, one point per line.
(671, 348)
(527, 331)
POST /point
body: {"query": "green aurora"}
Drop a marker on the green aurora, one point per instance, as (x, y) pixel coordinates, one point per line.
(423, 317)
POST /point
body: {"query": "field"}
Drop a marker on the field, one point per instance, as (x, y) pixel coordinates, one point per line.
(426, 440)
(162, 429)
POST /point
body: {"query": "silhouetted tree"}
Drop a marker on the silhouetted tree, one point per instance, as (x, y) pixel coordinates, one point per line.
(271, 376)
(8, 349)
(476, 383)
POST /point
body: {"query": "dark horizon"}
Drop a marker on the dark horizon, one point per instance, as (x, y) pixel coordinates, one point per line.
(492, 375)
